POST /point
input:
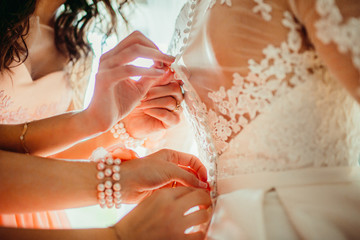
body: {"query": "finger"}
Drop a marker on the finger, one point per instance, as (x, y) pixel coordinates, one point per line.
(166, 102)
(167, 78)
(196, 218)
(173, 193)
(189, 160)
(195, 236)
(158, 64)
(198, 197)
(135, 37)
(133, 52)
(167, 118)
(182, 176)
(172, 89)
(124, 72)
(159, 81)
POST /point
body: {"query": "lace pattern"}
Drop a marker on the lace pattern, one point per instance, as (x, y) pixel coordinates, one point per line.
(227, 2)
(195, 112)
(181, 36)
(263, 8)
(277, 116)
(308, 134)
(332, 28)
(10, 114)
(250, 95)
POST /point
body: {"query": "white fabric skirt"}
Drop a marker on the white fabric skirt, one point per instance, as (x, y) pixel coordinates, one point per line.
(313, 203)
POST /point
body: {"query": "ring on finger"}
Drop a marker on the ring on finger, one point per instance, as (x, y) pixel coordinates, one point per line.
(178, 106)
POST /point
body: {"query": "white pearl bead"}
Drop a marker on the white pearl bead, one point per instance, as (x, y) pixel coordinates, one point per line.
(116, 176)
(100, 175)
(108, 172)
(117, 187)
(108, 192)
(102, 201)
(100, 166)
(109, 161)
(117, 161)
(116, 168)
(108, 184)
(117, 194)
(100, 187)
(101, 195)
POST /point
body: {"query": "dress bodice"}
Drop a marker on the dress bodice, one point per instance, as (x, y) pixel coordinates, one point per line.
(258, 94)
(45, 84)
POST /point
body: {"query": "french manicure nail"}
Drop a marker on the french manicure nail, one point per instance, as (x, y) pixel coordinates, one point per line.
(203, 184)
(162, 71)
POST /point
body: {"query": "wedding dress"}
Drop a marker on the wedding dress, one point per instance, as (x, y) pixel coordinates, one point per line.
(277, 130)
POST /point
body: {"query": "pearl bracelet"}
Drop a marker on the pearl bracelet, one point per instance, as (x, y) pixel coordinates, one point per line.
(108, 190)
(119, 131)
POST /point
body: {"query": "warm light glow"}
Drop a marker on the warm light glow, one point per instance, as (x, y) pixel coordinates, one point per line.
(155, 19)
(141, 62)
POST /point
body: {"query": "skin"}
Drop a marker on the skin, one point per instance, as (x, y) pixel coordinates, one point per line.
(151, 117)
(115, 97)
(50, 189)
(110, 103)
(152, 219)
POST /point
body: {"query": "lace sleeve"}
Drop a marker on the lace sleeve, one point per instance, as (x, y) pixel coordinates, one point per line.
(334, 28)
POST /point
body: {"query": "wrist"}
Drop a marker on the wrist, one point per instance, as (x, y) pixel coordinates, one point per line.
(92, 124)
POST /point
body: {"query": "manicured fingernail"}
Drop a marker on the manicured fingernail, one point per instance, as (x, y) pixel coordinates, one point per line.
(203, 184)
(161, 71)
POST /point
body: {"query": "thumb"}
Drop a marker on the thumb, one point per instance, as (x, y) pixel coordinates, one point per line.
(145, 83)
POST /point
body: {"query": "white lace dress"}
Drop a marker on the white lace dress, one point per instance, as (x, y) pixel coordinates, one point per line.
(271, 90)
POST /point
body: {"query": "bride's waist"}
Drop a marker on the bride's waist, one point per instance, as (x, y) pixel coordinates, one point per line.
(288, 178)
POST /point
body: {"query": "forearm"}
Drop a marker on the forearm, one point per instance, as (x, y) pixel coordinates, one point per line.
(83, 150)
(78, 234)
(30, 183)
(48, 136)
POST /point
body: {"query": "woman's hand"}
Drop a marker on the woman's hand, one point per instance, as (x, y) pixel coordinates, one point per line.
(115, 94)
(162, 215)
(140, 177)
(158, 111)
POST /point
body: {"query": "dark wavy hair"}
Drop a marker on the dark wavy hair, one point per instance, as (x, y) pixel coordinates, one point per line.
(14, 26)
(71, 25)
